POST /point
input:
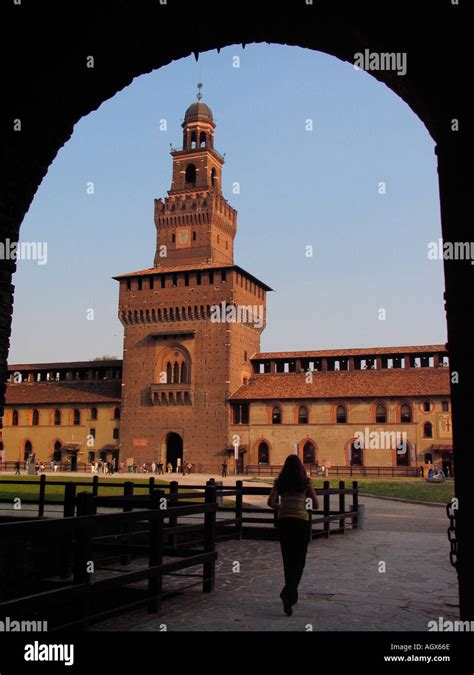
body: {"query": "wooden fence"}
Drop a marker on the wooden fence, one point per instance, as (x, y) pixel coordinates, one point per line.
(71, 569)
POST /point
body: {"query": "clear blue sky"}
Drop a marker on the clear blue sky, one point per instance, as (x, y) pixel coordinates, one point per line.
(298, 188)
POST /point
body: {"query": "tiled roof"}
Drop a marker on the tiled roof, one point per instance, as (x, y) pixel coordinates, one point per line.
(66, 365)
(347, 384)
(191, 268)
(365, 351)
(175, 268)
(83, 391)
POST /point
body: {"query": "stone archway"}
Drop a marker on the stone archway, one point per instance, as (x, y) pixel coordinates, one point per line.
(45, 98)
(174, 449)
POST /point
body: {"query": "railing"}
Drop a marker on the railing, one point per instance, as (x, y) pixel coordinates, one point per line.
(274, 470)
(247, 521)
(62, 558)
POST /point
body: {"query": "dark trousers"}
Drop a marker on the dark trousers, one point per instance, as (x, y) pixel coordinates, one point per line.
(294, 538)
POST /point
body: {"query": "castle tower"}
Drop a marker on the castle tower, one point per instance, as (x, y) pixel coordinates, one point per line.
(192, 321)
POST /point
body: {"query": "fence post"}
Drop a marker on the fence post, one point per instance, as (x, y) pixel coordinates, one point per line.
(327, 506)
(95, 485)
(42, 495)
(355, 504)
(69, 499)
(126, 529)
(239, 486)
(342, 505)
(83, 551)
(209, 568)
(85, 504)
(155, 556)
(151, 484)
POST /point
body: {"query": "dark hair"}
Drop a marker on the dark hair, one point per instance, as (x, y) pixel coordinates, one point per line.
(293, 476)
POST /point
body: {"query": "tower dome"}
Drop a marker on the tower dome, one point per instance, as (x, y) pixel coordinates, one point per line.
(198, 111)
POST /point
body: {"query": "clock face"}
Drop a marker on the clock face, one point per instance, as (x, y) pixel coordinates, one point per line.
(182, 238)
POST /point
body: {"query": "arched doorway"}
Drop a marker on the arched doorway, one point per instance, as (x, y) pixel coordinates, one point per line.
(174, 449)
(447, 463)
(263, 453)
(356, 455)
(403, 453)
(27, 450)
(58, 453)
(309, 453)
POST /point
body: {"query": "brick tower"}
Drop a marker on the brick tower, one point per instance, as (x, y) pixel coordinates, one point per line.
(191, 322)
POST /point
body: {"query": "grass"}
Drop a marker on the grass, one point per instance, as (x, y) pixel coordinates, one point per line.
(401, 488)
(55, 493)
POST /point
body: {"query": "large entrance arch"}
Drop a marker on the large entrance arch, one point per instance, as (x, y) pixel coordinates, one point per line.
(174, 449)
(124, 46)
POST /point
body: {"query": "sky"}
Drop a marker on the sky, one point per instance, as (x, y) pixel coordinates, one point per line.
(337, 203)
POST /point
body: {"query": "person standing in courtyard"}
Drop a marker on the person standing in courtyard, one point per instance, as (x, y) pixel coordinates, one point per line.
(292, 496)
(224, 469)
(17, 468)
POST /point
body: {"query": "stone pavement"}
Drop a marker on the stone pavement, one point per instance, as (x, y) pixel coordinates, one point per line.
(342, 587)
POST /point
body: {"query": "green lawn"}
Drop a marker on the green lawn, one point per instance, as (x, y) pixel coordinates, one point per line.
(402, 488)
(56, 492)
(28, 492)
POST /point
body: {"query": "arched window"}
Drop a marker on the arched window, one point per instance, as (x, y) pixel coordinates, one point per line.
(309, 453)
(57, 417)
(303, 415)
(184, 373)
(341, 414)
(405, 413)
(76, 417)
(381, 414)
(263, 453)
(276, 415)
(116, 413)
(176, 372)
(193, 140)
(93, 413)
(202, 139)
(190, 175)
(213, 177)
(15, 418)
(35, 418)
(427, 430)
(169, 374)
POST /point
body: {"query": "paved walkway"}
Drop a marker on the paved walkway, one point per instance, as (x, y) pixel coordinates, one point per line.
(343, 587)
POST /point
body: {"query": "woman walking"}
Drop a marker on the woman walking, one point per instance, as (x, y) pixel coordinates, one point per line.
(293, 496)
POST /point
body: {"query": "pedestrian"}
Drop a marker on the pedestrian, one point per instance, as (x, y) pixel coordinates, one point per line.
(51, 465)
(224, 469)
(170, 467)
(37, 466)
(160, 468)
(122, 466)
(153, 467)
(55, 467)
(189, 467)
(17, 468)
(292, 496)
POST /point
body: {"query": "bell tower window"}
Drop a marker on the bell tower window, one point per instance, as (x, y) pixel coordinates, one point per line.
(190, 176)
